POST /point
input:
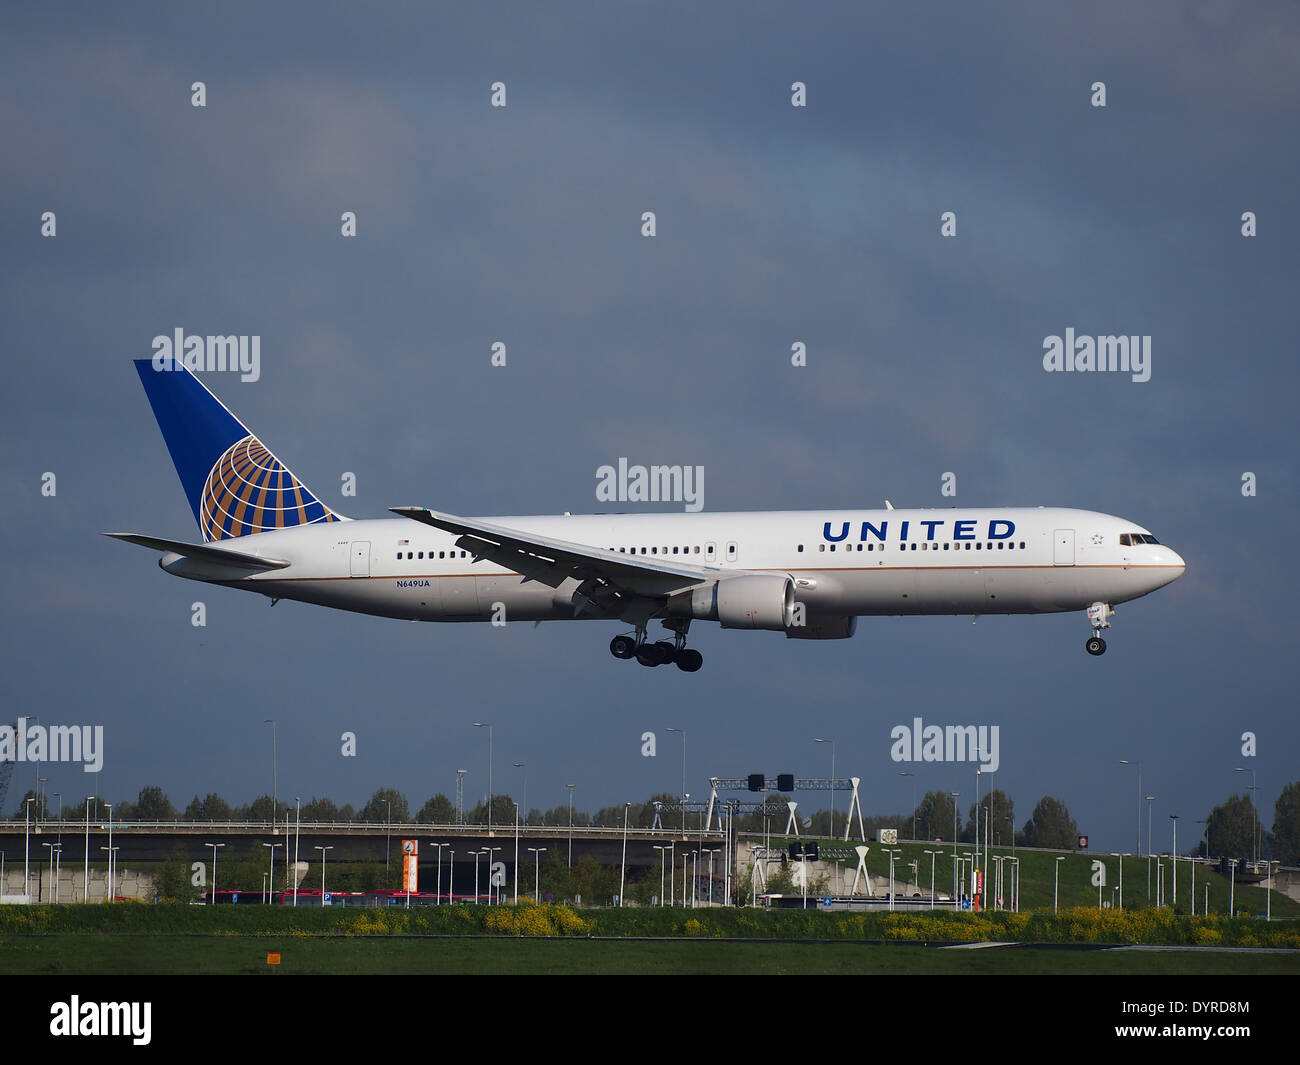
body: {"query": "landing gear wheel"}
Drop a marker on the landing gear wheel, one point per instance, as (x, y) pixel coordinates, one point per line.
(689, 660)
(647, 655)
(622, 647)
(1095, 645)
(665, 651)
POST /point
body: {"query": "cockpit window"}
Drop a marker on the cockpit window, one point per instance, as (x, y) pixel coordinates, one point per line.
(1147, 538)
(1134, 539)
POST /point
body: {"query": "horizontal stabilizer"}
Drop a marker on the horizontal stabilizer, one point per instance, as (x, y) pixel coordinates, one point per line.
(202, 552)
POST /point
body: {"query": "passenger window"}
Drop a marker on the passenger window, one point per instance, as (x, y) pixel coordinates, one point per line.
(801, 547)
(410, 554)
(821, 547)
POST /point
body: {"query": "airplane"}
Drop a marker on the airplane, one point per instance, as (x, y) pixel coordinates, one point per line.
(808, 574)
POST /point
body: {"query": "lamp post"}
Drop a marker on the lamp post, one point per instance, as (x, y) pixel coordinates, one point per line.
(933, 855)
(109, 807)
(663, 856)
(85, 866)
(214, 847)
(1232, 888)
(1173, 860)
(476, 858)
(27, 844)
(1150, 800)
(623, 871)
(489, 851)
(832, 743)
(451, 874)
(438, 895)
(523, 799)
(570, 787)
(1125, 761)
(1056, 884)
(275, 777)
(322, 870)
(112, 863)
(297, 835)
(1254, 817)
(955, 885)
(271, 870)
(388, 836)
(537, 872)
(913, 776)
(516, 854)
(487, 725)
(684, 796)
(54, 847)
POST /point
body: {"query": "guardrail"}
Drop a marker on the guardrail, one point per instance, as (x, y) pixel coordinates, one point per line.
(410, 828)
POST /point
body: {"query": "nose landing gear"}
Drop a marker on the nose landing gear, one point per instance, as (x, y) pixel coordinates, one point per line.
(660, 653)
(1098, 614)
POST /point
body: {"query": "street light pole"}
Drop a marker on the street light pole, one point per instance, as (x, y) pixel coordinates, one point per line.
(85, 868)
(537, 873)
(322, 870)
(684, 796)
(487, 725)
(297, 835)
(1056, 885)
(275, 775)
(1125, 761)
(832, 743)
(1173, 859)
(913, 776)
(1254, 816)
(523, 799)
(570, 787)
(622, 876)
(214, 847)
(955, 796)
(27, 845)
(271, 871)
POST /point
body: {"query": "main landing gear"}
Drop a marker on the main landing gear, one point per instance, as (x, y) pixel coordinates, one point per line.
(661, 653)
(1098, 614)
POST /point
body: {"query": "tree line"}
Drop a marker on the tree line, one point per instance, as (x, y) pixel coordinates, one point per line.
(1233, 829)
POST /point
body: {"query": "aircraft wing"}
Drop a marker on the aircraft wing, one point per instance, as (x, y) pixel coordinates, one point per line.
(551, 562)
(221, 556)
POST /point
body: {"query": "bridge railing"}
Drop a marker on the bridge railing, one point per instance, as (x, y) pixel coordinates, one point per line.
(408, 828)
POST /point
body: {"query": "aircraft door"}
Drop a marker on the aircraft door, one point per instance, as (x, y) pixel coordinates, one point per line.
(360, 564)
(1063, 547)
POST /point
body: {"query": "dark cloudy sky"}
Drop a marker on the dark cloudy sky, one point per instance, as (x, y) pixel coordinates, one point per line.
(775, 224)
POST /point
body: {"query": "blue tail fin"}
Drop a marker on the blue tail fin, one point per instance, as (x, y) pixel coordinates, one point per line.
(234, 484)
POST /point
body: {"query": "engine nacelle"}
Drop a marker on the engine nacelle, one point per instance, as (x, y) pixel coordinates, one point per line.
(755, 601)
(824, 627)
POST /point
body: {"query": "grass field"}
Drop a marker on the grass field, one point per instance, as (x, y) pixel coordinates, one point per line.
(193, 954)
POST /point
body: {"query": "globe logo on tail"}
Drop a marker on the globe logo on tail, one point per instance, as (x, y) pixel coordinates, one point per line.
(250, 491)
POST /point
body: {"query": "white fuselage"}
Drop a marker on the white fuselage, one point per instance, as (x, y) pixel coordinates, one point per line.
(845, 563)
